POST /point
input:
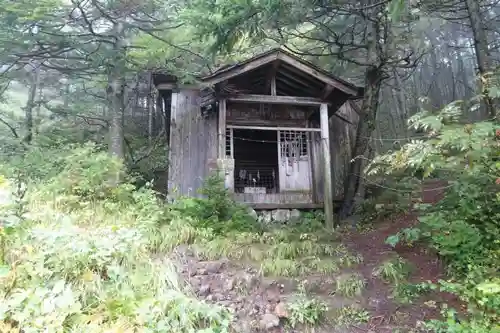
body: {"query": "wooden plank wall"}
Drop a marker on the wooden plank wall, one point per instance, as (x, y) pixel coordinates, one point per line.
(193, 144)
(342, 138)
(266, 115)
(317, 168)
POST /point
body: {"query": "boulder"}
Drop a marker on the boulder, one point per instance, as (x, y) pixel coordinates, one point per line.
(269, 321)
(280, 215)
(280, 310)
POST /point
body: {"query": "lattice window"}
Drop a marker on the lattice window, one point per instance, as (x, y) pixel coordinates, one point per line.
(293, 144)
(229, 143)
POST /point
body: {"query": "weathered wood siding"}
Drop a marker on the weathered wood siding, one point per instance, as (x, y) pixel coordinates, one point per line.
(193, 144)
(266, 115)
(342, 138)
(318, 173)
(274, 198)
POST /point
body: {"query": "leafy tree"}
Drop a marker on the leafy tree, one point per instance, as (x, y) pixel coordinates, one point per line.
(463, 227)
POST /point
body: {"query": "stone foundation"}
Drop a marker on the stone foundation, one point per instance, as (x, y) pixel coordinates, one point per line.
(279, 216)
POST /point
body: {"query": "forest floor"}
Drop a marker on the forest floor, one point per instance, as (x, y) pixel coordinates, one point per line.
(348, 281)
(260, 303)
(365, 295)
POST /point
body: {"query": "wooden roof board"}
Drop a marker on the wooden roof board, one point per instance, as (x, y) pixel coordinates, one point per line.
(304, 67)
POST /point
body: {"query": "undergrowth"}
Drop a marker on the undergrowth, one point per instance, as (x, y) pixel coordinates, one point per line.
(350, 285)
(463, 227)
(394, 271)
(351, 315)
(306, 311)
(81, 249)
(77, 255)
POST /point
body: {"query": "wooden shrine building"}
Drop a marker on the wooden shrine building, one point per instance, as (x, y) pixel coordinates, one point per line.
(278, 128)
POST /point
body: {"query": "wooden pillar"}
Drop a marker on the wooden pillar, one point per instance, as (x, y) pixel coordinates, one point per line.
(221, 135)
(222, 129)
(325, 150)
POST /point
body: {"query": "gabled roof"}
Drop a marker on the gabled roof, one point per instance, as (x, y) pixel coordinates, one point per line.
(283, 57)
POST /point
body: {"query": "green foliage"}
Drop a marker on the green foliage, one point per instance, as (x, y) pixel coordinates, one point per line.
(463, 227)
(350, 285)
(305, 311)
(394, 271)
(387, 198)
(351, 315)
(311, 222)
(90, 268)
(407, 236)
(217, 210)
(278, 252)
(89, 174)
(407, 292)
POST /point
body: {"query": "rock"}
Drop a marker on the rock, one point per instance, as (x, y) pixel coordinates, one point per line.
(273, 295)
(213, 267)
(280, 215)
(265, 217)
(229, 285)
(253, 213)
(295, 216)
(195, 282)
(242, 327)
(375, 303)
(280, 310)
(251, 280)
(202, 271)
(268, 283)
(269, 321)
(204, 290)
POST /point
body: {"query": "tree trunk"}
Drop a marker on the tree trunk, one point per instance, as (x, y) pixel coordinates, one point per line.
(38, 108)
(30, 105)
(116, 95)
(366, 125)
(481, 47)
(66, 96)
(116, 116)
(150, 106)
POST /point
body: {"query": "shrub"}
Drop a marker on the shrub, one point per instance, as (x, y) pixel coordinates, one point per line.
(305, 311)
(89, 174)
(217, 210)
(350, 285)
(393, 271)
(463, 227)
(91, 268)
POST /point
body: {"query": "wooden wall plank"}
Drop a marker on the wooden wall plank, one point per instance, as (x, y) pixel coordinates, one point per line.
(193, 139)
(325, 145)
(342, 138)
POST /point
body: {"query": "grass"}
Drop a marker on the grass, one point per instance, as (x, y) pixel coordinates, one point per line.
(394, 271)
(277, 253)
(102, 259)
(350, 285)
(306, 311)
(93, 269)
(406, 293)
(350, 315)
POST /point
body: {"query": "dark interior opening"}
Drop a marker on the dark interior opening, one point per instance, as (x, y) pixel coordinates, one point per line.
(255, 160)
